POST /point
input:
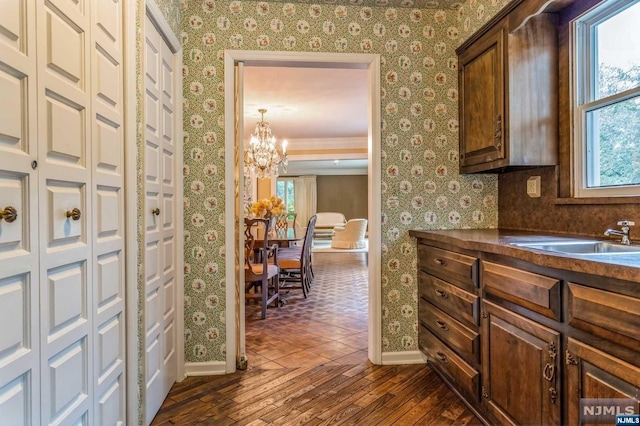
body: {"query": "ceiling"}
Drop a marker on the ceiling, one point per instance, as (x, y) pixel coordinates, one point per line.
(314, 109)
(420, 4)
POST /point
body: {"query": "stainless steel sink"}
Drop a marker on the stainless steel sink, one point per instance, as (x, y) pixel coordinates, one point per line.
(581, 247)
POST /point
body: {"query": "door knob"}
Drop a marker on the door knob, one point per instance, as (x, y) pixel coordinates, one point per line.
(156, 211)
(9, 214)
(74, 214)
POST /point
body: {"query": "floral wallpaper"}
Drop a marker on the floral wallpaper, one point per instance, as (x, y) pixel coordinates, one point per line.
(171, 11)
(421, 187)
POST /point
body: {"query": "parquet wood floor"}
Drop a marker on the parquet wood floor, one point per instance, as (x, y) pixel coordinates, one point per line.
(308, 366)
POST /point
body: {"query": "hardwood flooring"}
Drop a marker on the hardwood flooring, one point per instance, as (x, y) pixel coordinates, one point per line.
(308, 366)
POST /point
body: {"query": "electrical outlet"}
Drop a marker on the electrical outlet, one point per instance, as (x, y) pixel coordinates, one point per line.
(533, 186)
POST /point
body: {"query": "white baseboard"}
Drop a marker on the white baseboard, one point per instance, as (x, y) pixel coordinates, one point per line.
(212, 368)
(409, 357)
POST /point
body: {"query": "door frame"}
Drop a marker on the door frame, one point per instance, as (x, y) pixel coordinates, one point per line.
(135, 359)
(371, 62)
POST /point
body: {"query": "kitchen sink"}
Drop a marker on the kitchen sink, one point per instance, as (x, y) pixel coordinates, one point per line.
(581, 247)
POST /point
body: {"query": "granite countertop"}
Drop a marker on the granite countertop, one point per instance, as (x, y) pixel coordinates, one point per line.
(498, 241)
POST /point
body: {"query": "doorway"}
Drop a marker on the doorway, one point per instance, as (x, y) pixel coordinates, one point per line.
(233, 173)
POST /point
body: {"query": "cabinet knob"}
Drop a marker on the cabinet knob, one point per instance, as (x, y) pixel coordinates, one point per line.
(442, 357)
(9, 214)
(74, 214)
(440, 262)
(156, 211)
(442, 325)
(441, 293)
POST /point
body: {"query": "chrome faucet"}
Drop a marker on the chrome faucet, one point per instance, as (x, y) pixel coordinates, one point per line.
(624, 232)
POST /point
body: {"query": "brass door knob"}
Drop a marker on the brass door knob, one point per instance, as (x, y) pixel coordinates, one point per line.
(156, 211)
(9, 214)
(74, 214)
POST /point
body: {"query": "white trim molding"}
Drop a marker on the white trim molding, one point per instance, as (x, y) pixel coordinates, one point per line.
(158, 19)
(212, 368)
(400, 358)
(370, 62)
(327, 143)
(328, 157)
(131, 212)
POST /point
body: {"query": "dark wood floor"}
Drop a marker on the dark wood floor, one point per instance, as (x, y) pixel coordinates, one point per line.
(308, 365)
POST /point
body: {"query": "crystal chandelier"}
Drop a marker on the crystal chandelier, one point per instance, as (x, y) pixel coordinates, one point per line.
(262, 157)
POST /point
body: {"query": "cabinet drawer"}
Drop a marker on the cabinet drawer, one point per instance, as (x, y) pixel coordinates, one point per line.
(458, 303)
(455, 268)
(538, 293)
(450, 364)
(461, 339)
(612, 316)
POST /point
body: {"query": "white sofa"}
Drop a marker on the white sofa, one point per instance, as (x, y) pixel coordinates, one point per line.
(326, 221)
(351, 235)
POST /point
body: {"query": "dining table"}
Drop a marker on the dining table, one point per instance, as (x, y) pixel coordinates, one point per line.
(282, 237)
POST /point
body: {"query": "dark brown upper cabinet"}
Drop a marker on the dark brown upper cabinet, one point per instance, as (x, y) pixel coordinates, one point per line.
(508, 84)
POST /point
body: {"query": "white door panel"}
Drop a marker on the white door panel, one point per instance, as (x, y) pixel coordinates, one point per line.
(61, 167)
(108, 207)
(19, 282)
(12, 28)
(160, 215)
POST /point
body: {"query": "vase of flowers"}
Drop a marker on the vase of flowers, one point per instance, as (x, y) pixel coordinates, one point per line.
(268, 208)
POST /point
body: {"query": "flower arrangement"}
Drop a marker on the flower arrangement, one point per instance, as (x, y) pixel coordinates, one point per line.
(268, 207)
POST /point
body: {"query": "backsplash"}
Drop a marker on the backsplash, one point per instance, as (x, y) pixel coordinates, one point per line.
(519, 211)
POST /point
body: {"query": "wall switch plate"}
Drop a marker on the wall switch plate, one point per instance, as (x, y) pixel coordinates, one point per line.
(533, 186)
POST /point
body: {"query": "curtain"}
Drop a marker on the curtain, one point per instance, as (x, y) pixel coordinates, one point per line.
(305, 198)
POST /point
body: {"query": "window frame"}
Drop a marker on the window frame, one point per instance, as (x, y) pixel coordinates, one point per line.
(584, 89)
(286, 181)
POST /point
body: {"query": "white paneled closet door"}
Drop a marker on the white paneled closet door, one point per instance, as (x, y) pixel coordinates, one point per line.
(61, 209)
(107, 203)
(65, 214)
(19, 309)
(160, 225)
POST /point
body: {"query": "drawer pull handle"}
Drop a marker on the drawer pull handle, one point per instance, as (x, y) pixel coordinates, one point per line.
(442, 357)
(442, 325)
(74, 214)
(549, 372)
(440, 262)
(441, 293)
(9, 214)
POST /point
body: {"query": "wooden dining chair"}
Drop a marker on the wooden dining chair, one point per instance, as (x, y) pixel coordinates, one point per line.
(261, 271)
(295, 263)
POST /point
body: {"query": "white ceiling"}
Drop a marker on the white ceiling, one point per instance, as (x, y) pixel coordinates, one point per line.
(309, 105)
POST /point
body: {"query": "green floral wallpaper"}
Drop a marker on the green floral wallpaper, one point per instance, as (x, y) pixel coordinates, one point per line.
(421, 187)
(171, 11)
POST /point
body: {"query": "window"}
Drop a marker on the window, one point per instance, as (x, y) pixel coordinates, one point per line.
(607, 95)
(284, 190)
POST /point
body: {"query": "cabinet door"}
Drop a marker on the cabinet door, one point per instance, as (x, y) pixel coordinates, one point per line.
(520, 368)
(592, 373)
(482, 101)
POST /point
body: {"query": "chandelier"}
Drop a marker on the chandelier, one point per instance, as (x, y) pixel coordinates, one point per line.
(262, 157)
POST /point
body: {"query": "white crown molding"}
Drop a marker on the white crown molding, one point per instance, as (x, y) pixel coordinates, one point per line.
(328, 157)
(328, 143)
(398, 358)
(211, 368)
(326, 172)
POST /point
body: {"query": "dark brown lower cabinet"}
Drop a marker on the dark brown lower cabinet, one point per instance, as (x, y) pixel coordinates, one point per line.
(592, 373)
(520, 368)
